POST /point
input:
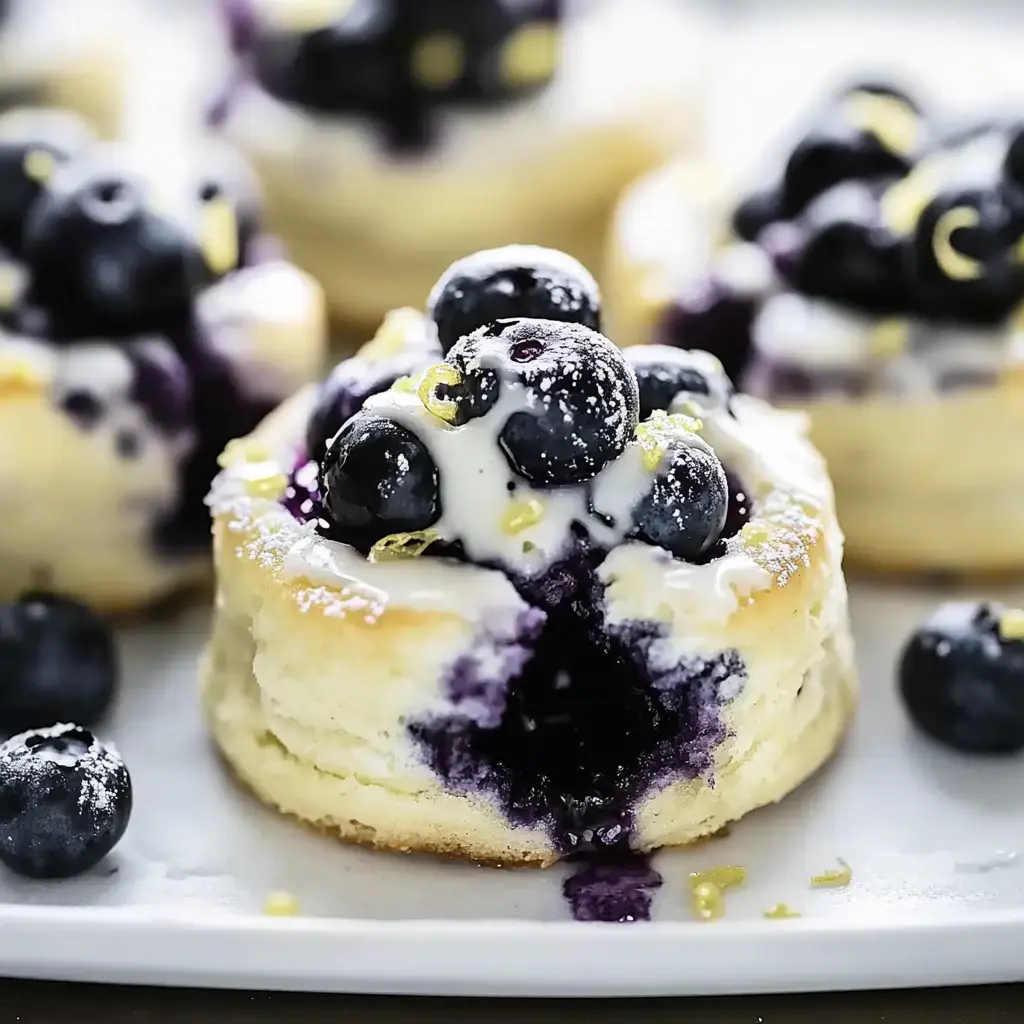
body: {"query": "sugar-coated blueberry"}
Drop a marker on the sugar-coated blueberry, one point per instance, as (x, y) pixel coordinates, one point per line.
(103, 260)
(665, 374)
(65, 801)
(33, 145)
(349, 385)
(515, 281)
(58, 662)
(962, 681)
(377, 479)
(685, 509)
(579, 403)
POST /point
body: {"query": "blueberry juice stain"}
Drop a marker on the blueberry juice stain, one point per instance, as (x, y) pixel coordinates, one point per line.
(582, 732)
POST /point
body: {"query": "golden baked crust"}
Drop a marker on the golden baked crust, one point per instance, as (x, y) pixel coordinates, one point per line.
(307, 685)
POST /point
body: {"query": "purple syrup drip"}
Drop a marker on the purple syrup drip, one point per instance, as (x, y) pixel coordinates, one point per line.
(712, 318)
(616, 889)
(161, 386)
(302, 496)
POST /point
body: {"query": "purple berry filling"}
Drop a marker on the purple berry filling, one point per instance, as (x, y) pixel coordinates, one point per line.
(615, 889)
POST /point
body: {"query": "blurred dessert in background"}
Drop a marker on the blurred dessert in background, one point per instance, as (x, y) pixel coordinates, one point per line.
(876, 278)
(392, 136)
(145, 320)
(69, 54)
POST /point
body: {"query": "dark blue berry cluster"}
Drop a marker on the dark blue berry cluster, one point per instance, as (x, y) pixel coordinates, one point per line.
(65, 798)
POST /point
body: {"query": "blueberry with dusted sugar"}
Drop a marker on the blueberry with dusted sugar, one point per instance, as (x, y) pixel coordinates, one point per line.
(99, 214)
(665, 375)
(58, 662)
(514, 281)
(581, 397)
(685, 509)
(34, 143)
(961, 676)
(65, 801)
(378, 479)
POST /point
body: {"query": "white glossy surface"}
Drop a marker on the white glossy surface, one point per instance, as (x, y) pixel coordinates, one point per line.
(936, 842)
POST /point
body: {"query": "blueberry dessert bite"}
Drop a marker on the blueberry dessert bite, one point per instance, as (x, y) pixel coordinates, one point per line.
(394, 137)
(58, 661)
(960, 677)
(503, 617)
(65, 801)
(875, 281)
(145, 321)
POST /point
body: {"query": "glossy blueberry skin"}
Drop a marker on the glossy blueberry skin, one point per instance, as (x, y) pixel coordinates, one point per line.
(515, 281)
(48, 135)
(92, 221)
(58, 662)
(993, 294)
(962, 683)
(685, 510)
(582, 396)
(664, 373)
(378, 478)
(349, 385)
(847, 255)
(65, 802)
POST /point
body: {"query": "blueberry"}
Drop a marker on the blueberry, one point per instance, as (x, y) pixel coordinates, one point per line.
(869, 131)
(1013, 165)
(161, 385)
(58, 662)
(103, 261)
(754, 213)
(579, 397)
(378, 478)
(33, 144)
(664, 373)
(684, 512)
(516, 281)
(962, 681)
(65, 801)
(962, 257)
(349, 385)
(846, 254)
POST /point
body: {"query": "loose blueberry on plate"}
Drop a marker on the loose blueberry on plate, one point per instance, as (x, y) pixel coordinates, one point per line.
(103, 261)
(581, 397)
(58, 663)
(378, 479)
(684, 511)
(65, 801)
(961, 677)
(516, 281)
(33, 145)
(665, 374)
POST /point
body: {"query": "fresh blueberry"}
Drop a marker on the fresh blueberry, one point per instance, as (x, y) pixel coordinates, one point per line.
(664, 374)
(741, 504)
(378, 478)
(870, 131)
(33, 144)
(65, 801)
(1013, 165)
(516, 281)
(58, 662)
(754, 213)
(349, 385)
(962, 257)
(684, 512)
(103, 261)
(847, 255)
(579, 396)
(962, 680)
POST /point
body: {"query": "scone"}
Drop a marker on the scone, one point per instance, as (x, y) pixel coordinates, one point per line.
(79, 60)
(530, 600)
(877, 283)
(146, 320)
(392, 138)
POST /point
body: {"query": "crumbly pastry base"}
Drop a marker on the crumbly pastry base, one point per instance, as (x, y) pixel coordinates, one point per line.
(923, 485)
(308, 707)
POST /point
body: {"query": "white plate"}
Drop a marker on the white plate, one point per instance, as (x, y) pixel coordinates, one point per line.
(937, 895)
